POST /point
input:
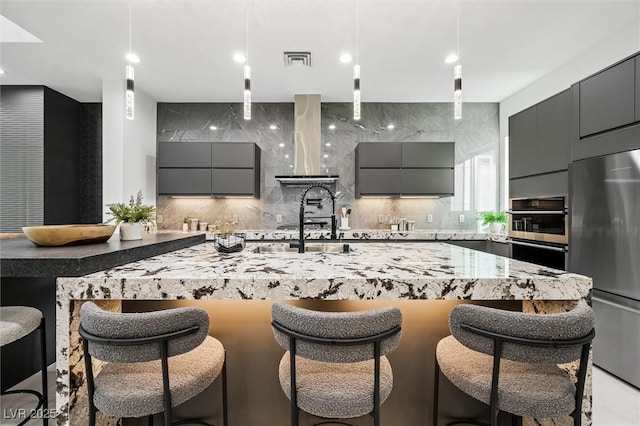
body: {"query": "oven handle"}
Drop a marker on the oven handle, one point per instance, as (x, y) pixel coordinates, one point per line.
(540, 246)
(537, 211)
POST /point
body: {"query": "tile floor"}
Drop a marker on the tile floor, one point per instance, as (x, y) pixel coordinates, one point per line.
(615, 403)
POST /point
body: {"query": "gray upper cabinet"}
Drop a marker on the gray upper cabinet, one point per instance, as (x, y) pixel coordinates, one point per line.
(428, 154)
(605, 115)
(523, 135)
(607, 99)
(378, 182)
(234, 182)
(184, 181)
(379, 154)
(405, 168)
(234, 155)
(554, 133)
(206, 168)
(637, 88)
(184, 154)
(427, 182)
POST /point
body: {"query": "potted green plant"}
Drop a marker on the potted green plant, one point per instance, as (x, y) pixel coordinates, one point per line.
(131, 217)
(494, 219)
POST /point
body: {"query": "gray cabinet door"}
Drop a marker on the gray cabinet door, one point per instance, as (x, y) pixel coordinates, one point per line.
(184, 154)
(234, 182)
(554, 133)
(523, 131)
(379, 154)
(184, 181)
(428, 154)
(427, 181)
(378, 182)
(607, 100)
(637, 88)
(234, 154)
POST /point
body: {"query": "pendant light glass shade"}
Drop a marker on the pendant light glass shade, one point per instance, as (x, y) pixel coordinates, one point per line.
(356, 92)
(247, 92)
(129, 94)
(457, 92)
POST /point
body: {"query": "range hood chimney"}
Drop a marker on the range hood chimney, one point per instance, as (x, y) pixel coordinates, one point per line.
(307, 146)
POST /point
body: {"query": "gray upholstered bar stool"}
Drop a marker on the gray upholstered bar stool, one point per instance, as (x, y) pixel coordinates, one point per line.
(17, 322)
(154, 361)
(335, 365)
(508, 360)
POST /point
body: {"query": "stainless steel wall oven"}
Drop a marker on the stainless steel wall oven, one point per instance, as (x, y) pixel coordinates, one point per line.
(539, 231)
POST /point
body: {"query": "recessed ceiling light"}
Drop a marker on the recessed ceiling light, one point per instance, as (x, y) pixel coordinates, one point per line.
(239, 58)
(1, 71)
(332, 126)
(273, 127)
(281, 145)
(213, 127)
(132, 57)
(451, 58)
(390, 127)
(291, 166)
(286, 156)
(326, 156)
(327, 144)
(345, 58)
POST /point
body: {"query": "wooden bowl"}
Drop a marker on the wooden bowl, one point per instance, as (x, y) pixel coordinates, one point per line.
(68, 235)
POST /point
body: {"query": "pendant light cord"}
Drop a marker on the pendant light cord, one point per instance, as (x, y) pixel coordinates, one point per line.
(357, 33)
(246, 9)
(129, 27)
(458, 35)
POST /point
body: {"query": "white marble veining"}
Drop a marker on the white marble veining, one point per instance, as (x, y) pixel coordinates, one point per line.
(407, 270)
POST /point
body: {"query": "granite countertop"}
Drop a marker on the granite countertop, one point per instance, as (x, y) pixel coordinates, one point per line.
(373, 270)
(375, 234)
(19, 257)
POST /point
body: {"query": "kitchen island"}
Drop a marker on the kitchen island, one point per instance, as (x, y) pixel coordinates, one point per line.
(372, 271)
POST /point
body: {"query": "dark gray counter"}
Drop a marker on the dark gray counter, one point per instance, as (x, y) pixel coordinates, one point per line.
(29, 278)
(19, 257)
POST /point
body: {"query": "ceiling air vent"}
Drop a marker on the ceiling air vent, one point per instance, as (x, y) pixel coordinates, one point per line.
(297, 59)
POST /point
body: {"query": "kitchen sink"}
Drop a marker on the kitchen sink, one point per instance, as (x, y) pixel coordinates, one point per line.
(308, 248)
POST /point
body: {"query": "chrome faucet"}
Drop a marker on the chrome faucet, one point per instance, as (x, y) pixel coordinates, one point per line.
(300, 243)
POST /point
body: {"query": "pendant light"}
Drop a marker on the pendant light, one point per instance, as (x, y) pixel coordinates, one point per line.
(356, 73)
(457, 79)
(129, 75)
(247, 70)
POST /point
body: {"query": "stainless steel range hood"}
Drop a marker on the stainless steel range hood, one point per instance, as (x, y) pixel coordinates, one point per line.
(307, 146)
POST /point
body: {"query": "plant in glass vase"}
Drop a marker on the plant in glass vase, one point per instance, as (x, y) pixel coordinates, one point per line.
(494, 219)
(131, 217)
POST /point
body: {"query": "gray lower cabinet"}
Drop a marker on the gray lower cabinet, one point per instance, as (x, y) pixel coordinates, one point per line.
(184, 154)
(607, 99)
(378, 182)
(235, 182)
(184, 181)
(427, 182)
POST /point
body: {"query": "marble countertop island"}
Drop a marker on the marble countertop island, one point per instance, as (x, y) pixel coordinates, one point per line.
(404, 270)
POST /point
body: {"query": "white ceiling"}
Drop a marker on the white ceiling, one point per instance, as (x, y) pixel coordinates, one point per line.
(186, 46)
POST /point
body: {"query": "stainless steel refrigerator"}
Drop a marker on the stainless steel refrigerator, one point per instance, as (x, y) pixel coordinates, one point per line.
(604, 243)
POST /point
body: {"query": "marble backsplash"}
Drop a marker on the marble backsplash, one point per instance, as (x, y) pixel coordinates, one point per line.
(477, 160)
